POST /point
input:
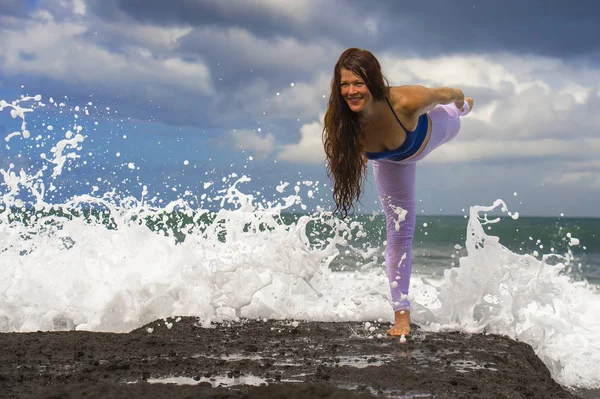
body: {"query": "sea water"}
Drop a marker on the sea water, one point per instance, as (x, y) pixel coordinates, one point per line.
(107, 260)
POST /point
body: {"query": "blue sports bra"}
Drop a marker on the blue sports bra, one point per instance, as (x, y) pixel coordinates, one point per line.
(414, 140)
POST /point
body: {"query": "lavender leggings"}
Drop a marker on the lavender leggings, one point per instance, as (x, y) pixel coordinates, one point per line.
(396, 187)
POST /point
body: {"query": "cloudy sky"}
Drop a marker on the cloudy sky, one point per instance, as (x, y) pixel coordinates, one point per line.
(190, 91)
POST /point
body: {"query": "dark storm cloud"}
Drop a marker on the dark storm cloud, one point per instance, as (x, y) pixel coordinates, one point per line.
(551, 28)
(12, 8)
(331, 19)
(188, 12)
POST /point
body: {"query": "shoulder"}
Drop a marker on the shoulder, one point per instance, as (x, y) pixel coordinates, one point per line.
(410, 99)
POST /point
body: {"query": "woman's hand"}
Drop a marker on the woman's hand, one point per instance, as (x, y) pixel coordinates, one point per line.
(460, 104)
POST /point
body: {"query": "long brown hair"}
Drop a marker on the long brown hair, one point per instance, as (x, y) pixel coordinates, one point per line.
(343, 134)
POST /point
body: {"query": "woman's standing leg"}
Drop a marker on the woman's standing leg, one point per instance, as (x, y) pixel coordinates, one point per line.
(396, 188)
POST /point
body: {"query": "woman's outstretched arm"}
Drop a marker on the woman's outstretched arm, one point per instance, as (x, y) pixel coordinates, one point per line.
(416, 100)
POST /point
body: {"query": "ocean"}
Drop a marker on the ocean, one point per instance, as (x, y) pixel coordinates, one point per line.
(113, 261)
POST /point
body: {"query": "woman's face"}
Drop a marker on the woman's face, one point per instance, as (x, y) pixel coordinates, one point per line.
(354, 90)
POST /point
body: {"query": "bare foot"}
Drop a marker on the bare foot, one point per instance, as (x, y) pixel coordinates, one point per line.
(401, 324)
(470, 101)
(461, 104)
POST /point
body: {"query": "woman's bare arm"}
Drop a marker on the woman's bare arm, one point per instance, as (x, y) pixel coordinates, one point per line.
(416, 100)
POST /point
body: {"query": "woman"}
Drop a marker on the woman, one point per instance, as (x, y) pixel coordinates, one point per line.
(394, 127)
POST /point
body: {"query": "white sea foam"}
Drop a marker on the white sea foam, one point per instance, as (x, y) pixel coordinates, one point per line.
(498, 291)
(61, 270)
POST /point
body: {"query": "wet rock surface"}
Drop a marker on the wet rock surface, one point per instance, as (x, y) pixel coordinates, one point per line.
(258, 359)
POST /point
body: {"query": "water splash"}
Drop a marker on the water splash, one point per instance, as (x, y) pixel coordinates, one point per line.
(113, 262)
(497, 291)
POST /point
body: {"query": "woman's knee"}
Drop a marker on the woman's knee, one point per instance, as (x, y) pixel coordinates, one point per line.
(402, 235)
